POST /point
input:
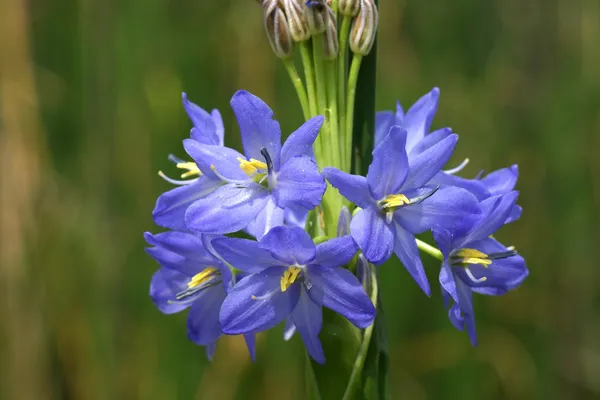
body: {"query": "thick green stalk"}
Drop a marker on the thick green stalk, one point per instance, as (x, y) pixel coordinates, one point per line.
(298, 85)
(352, 83)
(429, 249)
(342, 59)
(334, 131)
(309, 76)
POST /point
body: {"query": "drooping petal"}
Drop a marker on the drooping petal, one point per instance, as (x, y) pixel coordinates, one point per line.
(407, 251)
(373, 234)
(496, 211)
(219, 128)
(308, 319)
(224, 159)
(182, 243)
(270, 217)
(171, 206)
(352, 187)
(290, 245)
(389, 168)
(444, 238)
(472, 185)
(515, 214)
(299, 184)
(257, 126)
(427, 164)
(165, 285)
(205, 130)
(449, 207)
(256, 303)
(203, 325)
(228, 209)
(339, 290)
(174, 261)
(300, 143)
(244, 254)
(502, 180)
(210, 350)
(447, 283)
(383, 122)
(336, 252)
(289, 330)
(417, 119)
(465, 303)
(430, 140)
(251, 344)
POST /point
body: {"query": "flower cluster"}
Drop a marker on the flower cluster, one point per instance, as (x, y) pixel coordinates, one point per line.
(276, 233)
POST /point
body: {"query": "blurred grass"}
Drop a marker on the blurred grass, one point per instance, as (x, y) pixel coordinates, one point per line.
(90, 107)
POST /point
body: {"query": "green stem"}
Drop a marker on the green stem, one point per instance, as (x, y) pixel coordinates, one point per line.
(321, 99)
(298, 85)
(429, 249)
(309, 75)
(344, 32)
(352, 80)
(334, 132)
(364, 345)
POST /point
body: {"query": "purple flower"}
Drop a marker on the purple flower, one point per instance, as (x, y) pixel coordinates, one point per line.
(475, 262)
(191, 276)
(291, 277)
(397, 202)
(264, 182)
(170, 208)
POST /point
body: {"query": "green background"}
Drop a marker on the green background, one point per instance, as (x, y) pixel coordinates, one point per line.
(90, 107)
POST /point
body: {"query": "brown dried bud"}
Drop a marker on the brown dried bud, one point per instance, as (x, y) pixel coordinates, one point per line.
(277, 28)
(364, 30)
(349, 7)
(330, 39)
(317, 12)
(295, 12)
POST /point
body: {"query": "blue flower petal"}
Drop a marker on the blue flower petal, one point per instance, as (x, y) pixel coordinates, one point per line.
(515, 214)
(299, 184)
(243, 313)
(224, 159)
(290, 245)
(171, 206)
(270, 217)
(417, 119)
(472, 185)
(343, 227)
(165, 285)
(210, 350)
(185, 244)
(465, 303)
(336, 252)
(389, 168)
(175, 261)
(219, 128)
(501, 181)
(427, 164)
(352, 187)
(251, 344)
(295, 216)
(300, 143)
(496, 211)
(308, 319)
(448, 207)
(407, 251)
(203, 325)
(244, 254)
(373, 234)
(339, 290)
(228, 209)
(257, 126)
(289, 329)
(205, 130)
(383, 122)
(447, 283)
(430, 140)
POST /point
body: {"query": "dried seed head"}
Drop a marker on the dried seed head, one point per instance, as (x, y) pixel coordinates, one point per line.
(330, 38)
(349, 7)
(278, 30)
(317, 12)
(295, 12)
(364, 30)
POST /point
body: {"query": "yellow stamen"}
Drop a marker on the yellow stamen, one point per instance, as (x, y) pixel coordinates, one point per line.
(192, 169)
(202, 277)
(395, 200)
(252, 166)
(472, 256)
(289, 277)
(483, 262)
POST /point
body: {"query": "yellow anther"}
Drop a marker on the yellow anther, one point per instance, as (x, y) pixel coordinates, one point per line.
(192, 169)
(202, 277)
(395, 200)
(289, 277)
(252, 166)
(481, 261)
(469, 253)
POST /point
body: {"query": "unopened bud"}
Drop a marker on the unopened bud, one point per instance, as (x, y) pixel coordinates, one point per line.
(295, 12)
(317, 12)
(364, 29)
(330, 39)
(349, 7)
(277, 29)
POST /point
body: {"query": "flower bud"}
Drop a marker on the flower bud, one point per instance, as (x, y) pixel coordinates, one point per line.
(349, 7)
(277, 28)
(295, 12)
(364, 30)
(317, 12)
(330, 38)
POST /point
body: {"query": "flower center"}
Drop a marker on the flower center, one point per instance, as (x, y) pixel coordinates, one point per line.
(251, 167)
(390, 203)
(466, 256)
(289, 277)
(198, 282)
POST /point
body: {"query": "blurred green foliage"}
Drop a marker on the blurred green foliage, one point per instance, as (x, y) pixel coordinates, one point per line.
(90, 108)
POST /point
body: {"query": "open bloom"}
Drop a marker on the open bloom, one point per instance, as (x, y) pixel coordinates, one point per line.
(264, 182)
(191, 276)
(475, 262)
(397, 203)
(171, 205)
(291, 277)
